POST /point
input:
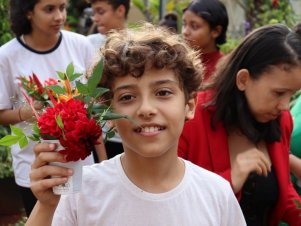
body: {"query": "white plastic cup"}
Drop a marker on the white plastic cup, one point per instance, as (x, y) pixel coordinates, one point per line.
(74, 183)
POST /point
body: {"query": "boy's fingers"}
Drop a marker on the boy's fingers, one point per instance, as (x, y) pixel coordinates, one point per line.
(43, 147)
(48, 170)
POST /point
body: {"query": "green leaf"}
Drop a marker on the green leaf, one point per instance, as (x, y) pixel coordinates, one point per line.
(36, 130)
(95, 78)
(70, 71)
(59, 122)
(17, 131)
(9, 140)
(99, 91)
(23, 142)
(57, 89)
(74, 76)
(61, 75)
(82, 88)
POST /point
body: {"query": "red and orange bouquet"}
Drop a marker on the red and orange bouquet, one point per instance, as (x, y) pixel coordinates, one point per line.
(74, 116)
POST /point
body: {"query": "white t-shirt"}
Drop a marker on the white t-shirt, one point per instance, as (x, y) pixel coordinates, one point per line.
(97, 40)
(18, 59)
(109, 198)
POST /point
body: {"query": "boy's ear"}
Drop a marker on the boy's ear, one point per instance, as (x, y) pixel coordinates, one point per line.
(216, 31)
(121, 11)
(242, 78)
(190, 108)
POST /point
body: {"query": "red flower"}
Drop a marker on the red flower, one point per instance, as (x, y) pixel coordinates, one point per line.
(275, 3)
(76, 132)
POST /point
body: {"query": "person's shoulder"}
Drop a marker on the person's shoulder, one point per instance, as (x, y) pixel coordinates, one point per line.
(10, 48)
(97, 40)
(96, 36)
(74, 37)
(206, 178)
(104, 170)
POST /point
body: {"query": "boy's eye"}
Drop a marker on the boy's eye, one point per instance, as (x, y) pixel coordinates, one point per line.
(63, 8)
(164, 93)
(279, 93)
(126, 98)
(98, 12)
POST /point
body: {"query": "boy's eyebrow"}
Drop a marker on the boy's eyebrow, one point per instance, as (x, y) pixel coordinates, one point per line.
(155, 83)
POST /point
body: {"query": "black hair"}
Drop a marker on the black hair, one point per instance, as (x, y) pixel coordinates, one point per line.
(262, 49)
(115, 4)
(170, 21)
(18, 10)
(214, 12)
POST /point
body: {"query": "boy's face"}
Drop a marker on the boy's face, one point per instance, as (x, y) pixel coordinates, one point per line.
(157, 104)
(106, 18)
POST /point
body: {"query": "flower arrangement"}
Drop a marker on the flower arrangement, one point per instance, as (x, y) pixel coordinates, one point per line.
(74, 116)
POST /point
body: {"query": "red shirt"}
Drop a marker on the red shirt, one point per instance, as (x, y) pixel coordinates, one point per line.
(209, 61)
(208, 148)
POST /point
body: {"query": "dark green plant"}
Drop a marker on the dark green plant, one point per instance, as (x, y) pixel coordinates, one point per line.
(263, 12)
(5, 157)
(6, 33)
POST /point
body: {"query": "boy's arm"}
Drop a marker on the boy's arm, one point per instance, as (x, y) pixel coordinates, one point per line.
(41, 183)
(41, 215)
(101, 150)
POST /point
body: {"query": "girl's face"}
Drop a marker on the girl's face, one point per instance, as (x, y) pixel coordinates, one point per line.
(197, 32)
(106, 18)
(270, 94)
(48, 16)
(157, 104)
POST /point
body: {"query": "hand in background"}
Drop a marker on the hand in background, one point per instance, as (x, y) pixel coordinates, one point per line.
(246, 162)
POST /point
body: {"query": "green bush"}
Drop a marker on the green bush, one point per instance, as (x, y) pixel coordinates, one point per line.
(5, 157)
(6, 33)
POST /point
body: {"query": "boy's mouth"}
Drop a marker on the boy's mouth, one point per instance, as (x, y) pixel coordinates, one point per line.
(149, 129)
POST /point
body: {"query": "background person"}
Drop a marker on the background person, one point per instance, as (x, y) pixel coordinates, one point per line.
(205, 24)
(109, 15)
(41, 47)
(242, 125)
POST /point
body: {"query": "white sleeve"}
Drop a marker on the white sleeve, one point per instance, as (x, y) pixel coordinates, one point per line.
(7, 91)
(65, 213)
(232, 213)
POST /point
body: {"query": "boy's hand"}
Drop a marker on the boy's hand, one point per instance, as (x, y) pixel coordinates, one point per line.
(41, 182)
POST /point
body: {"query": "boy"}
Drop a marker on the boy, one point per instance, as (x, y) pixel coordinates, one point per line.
(109, 15)
(153, 78)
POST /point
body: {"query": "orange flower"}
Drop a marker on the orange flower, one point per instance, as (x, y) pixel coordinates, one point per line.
(69, 95)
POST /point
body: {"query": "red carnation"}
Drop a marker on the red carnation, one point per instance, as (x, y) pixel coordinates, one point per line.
(76, 132)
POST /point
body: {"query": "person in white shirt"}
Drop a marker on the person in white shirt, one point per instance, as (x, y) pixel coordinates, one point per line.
(40, 47)
(153, 77)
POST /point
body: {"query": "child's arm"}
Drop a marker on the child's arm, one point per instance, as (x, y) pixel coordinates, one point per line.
(41, 183)
(295, 165)
(101, 150)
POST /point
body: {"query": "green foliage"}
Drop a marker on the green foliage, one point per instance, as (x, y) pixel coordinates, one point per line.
(263, 12)
(229, 45)
(5, 157)
(6, 33)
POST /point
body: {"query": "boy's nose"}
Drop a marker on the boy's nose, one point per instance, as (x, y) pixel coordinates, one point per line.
(146, 109)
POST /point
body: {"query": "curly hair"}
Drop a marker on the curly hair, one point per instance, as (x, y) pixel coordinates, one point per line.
(18, 10)
(131, 52)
